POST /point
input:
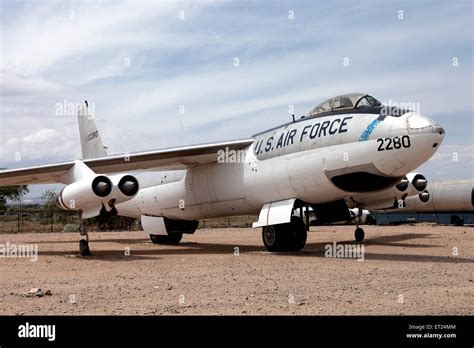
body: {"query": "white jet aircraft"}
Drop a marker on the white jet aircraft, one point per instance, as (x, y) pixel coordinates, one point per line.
(442, 197)
(347, 151)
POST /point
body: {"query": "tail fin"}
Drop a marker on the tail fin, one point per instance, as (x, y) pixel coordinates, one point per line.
(91, 142)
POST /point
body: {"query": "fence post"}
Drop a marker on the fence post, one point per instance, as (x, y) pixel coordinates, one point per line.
(52, 218)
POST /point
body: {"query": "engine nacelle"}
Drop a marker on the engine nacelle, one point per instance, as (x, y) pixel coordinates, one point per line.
(125, 187)
(91, 195)
(85, 192)
(417, 184)
(424, 196)
(402, 186)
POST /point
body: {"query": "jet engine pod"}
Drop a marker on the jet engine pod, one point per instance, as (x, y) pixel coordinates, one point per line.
(125, 187)
(128, 185)
(88, 192)
(424, 196)
(418, 181)
(403, 184)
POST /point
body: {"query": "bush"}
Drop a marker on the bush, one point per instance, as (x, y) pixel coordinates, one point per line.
(71, 228)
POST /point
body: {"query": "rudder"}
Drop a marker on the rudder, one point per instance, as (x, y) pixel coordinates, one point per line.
(91, 142)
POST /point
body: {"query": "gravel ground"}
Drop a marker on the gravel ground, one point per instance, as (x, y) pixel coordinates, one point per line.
(408, 269)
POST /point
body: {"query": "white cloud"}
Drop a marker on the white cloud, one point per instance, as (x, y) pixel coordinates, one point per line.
(50, 31)
(41, 136)
(48, 57)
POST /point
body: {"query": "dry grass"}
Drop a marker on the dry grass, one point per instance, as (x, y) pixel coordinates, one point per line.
(29, 224)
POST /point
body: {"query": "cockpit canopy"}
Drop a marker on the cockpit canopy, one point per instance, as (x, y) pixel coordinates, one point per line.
(346, 102)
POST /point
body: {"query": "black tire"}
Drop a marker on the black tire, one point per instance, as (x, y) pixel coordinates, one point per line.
(173, 238)
(297, 234)
(285, 237)
(457, 220)
(84, 248)
(273, 237)
(359, 235)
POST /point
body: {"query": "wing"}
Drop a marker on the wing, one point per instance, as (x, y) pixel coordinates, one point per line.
(163, 159)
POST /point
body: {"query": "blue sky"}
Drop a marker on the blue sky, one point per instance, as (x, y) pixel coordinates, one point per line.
(143, 63)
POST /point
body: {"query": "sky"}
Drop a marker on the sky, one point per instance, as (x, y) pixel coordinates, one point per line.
(168, 73)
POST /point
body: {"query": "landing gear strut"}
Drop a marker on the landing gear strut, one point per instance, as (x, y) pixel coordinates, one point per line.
(285, 237)
(84, 243)
(359, 232)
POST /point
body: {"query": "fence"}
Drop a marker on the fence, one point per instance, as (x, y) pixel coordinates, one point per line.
(31, 220)
(53, 219)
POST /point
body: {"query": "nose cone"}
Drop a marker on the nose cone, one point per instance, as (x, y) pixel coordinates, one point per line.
(419, 124)
(420, 137)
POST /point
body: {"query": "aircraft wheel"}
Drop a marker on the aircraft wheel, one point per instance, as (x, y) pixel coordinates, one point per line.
(297, 234)
(273, 237)
(173, 238)
(84, 248)
(457, 220)
(285, 237)
(370, 220)
(359, 235)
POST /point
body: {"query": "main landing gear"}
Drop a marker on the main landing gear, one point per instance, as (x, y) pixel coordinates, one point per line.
(285, 237)
(359, 233)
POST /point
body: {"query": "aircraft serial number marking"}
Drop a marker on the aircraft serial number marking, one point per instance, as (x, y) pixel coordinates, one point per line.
(393, 143)
(92, 135)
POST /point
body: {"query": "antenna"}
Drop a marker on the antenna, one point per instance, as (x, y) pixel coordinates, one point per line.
(293, 115)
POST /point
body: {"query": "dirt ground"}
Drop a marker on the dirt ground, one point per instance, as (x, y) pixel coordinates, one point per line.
(408, 269)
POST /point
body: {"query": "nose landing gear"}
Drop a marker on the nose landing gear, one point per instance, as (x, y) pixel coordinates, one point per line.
(359, 233)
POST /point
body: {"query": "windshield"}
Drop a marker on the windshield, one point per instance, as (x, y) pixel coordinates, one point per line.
(346, 101)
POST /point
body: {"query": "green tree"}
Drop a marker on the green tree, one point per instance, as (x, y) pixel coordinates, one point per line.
(51, 198)
(12, 193)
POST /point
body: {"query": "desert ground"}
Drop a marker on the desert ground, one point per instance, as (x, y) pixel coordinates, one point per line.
(407, 269)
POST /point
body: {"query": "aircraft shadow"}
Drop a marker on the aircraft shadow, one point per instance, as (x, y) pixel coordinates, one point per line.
(185, 248)
(209, 249)
(92, 240)
(193, 248)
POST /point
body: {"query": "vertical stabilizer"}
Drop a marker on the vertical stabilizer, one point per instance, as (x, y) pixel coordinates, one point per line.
(91, 142)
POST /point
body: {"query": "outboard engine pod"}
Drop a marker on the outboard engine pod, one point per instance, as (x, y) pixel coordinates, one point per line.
(128, 185)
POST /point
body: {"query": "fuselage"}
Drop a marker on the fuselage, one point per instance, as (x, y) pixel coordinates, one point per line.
(316, 159)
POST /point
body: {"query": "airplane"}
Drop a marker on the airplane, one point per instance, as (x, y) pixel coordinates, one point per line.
(349, 148)
(448, 201)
